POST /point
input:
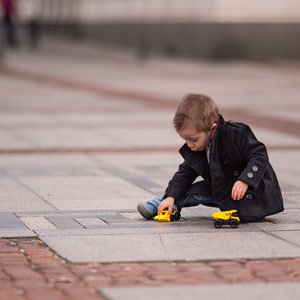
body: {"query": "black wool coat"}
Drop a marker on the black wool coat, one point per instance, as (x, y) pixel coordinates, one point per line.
(235, 154)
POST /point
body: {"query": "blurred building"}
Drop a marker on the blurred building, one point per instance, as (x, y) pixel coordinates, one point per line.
(214, 29)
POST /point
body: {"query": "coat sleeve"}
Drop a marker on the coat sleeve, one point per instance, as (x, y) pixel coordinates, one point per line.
(255, 154)
(181, 181)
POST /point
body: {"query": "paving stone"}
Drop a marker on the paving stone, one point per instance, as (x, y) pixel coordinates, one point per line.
(9, 220)
(64, 222)
(289, 291)
(15, 196)
(87, 192)
(21, 233)
(292, 236)
(113, 218)
(171, 246)
(37, 222)
(90, 222)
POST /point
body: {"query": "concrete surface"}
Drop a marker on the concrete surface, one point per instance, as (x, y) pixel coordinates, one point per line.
(83, 141)
(226, 292)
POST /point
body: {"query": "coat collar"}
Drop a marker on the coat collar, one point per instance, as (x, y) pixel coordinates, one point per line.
(219, 128)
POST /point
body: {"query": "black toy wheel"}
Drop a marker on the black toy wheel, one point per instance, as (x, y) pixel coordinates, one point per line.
(234, 223)
(175, 217)
(218, 223)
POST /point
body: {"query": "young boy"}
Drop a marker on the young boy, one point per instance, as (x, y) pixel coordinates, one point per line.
(232, 164)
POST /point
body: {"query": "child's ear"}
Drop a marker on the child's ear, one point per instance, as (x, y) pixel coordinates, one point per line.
(213, 126)
(213, 129)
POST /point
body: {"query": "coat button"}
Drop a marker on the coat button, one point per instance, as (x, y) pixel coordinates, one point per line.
(226, 161)
(250, 175)
(249, 197)
(255, 168)
(235, 173)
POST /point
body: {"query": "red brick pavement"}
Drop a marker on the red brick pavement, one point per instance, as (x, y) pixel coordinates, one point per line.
(29, 270)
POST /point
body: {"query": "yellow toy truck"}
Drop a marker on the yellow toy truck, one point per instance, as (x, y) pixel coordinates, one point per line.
(226, 217)
(165, 217)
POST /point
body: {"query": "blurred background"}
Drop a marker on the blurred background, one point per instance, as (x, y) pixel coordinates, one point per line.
(209, 29)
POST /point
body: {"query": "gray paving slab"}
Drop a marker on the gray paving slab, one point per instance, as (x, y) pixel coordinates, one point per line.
(16, 233)
(9, 220)
(192, 238)
(12, 226)
(15, 196)
(272, 138)
(10, 140)
(38, 162)
(291, 235)
(112, 218)
(173, 246)
(64, 222)
(63, 138)
(287, 167)
(249, 291)
(86, 192)
(37, 222)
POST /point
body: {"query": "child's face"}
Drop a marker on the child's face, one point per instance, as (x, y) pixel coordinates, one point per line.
(196, 141)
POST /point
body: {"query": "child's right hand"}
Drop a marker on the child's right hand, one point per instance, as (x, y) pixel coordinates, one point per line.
(238, 190)
(166, 203)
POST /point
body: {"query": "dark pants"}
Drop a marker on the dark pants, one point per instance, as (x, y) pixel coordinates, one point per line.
(9, 31)
(195, 200)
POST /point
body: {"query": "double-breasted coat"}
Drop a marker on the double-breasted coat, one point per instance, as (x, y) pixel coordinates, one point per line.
(235, 154)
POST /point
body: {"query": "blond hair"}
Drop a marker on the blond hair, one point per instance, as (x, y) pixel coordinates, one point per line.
(196, 110)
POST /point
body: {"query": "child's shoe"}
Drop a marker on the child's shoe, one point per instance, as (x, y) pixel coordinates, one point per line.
(149, 209)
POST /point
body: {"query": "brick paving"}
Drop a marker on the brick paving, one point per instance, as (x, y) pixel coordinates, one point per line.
(29, 270)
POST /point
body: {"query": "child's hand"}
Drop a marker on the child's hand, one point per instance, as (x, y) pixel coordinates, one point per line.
(238, 190)
(166, 203)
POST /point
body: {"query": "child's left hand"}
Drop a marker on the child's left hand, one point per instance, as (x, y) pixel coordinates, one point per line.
(238, 190)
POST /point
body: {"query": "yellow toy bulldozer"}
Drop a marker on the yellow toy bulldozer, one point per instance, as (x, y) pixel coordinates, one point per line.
(165, 217)
(226, 217)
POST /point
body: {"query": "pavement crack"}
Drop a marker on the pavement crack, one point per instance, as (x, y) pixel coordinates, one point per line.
(163, 244)
(282, 239)
(34, 192)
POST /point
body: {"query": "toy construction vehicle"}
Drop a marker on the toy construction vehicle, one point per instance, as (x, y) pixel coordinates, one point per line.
(165, 217)
(226, 217)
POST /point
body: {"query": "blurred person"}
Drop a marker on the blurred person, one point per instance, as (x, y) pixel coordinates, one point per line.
(8, 8)
(233, 165)
(33, 26)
